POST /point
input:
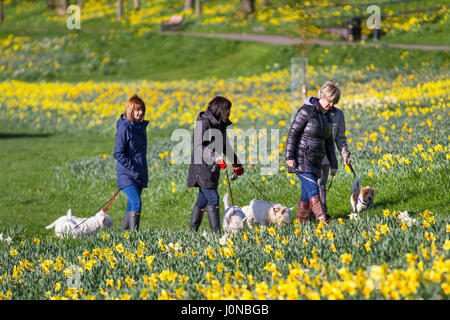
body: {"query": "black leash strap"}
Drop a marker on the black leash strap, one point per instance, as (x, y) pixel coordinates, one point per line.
(351, 168)
(103, 205)
(315, 182)
(262, 195)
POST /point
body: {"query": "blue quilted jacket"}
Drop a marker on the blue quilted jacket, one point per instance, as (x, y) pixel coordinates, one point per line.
(130, 151)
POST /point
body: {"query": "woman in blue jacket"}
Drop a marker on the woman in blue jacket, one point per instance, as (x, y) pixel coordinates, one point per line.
(130, 151)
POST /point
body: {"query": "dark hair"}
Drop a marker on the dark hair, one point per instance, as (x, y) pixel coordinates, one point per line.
(218, 106)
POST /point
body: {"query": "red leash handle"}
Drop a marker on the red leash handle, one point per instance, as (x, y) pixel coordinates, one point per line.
(111, 201)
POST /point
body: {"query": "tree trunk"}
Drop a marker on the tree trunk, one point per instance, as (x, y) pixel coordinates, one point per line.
(119, 9)
(188, 5)
(248, 6)
(198, 8)
(1, 11)
(80, 4)
(136, 4)
(62, 7)
(51, 4)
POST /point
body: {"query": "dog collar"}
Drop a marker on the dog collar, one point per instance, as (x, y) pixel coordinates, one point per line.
(364, 203)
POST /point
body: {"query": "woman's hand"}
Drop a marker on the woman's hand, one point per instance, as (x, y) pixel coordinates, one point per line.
(290, 163)
(347, 160)
(221, 162)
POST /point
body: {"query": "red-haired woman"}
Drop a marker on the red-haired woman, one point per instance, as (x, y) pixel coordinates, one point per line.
(130, 151)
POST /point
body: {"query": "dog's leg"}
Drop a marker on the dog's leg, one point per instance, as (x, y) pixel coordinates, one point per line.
(226, 203)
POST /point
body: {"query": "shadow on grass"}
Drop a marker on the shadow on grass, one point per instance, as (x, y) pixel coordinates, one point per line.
(4, 136)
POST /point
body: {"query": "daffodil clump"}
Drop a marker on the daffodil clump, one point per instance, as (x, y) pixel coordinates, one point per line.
(388, 256)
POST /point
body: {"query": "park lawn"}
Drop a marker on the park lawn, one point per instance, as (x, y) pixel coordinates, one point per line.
(101, 56)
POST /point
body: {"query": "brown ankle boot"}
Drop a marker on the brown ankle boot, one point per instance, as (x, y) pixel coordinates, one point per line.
(317, 209)
(302, 211)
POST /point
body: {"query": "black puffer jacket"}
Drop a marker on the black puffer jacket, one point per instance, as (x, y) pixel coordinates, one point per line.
(206, 148)
(310, 139)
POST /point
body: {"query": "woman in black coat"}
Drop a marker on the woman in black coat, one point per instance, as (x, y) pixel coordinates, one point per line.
(210, 142)
(308, 141)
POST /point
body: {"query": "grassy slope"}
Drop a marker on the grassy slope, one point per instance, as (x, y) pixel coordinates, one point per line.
(81, 58)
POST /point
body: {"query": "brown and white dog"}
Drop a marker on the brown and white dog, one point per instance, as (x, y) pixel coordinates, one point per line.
(361, 198)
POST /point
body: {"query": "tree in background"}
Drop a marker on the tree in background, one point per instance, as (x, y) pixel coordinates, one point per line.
(136, 4)
(62, 7)
(198, 8)
(305, 29)
(248, 6)
(188, 5)
(119, 9)
(1, 11)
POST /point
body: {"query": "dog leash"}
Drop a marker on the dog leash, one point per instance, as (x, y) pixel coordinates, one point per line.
(351, 168)
(315, 182)
(107, 202)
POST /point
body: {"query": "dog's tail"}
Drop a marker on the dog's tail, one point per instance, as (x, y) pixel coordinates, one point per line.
(356, 186)
(226, 202)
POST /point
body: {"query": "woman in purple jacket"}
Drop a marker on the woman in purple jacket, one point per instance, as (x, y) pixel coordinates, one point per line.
(130, 151)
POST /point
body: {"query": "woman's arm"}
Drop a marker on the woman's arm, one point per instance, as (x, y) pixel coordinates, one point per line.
(331, 152)
(120, 149)
(296, 130)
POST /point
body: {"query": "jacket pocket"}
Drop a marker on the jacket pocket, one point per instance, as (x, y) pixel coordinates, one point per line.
(314, 157)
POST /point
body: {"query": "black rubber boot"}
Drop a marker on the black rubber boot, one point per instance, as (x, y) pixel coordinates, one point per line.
(214, 217)
(196, 218)
(134, 219)
(125, 221)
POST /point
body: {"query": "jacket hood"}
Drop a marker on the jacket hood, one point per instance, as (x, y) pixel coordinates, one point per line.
(210, 116)
(122, 121)
(313, 101)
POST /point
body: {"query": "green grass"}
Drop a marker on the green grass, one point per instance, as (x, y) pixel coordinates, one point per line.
(31, 163)
(123, 56)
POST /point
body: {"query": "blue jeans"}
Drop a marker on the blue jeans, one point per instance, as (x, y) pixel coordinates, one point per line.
(207, 197)
(134, 198)
(309, 188)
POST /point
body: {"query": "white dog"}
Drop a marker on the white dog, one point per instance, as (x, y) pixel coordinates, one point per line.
(361, 198)
(233, 218)
(266, 213)
(70, 225)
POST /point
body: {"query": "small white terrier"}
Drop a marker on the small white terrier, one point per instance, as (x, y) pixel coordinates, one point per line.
(70, 225)
(233, 218)
(266, 213)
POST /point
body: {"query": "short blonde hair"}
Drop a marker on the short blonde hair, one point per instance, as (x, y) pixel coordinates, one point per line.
(330, 91)
(133, 104)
